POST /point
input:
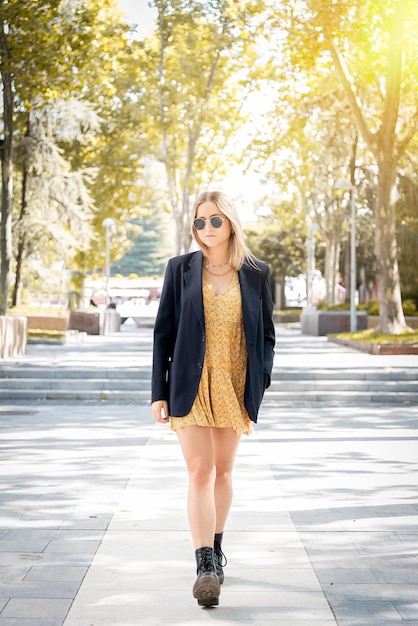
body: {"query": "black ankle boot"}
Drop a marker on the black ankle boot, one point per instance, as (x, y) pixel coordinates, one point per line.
(219, 557)
(206, 588)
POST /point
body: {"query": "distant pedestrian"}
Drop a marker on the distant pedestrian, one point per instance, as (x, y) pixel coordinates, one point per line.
(213, 355)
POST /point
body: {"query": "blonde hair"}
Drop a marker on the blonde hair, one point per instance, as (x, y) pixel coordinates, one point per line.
(237, 246)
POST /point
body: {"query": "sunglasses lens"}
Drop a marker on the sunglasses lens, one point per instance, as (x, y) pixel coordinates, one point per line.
(216, 221)
(199, 223)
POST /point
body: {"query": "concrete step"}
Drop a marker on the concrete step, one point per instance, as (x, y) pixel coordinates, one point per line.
(144, 373)
(132, 384)
(69, 373)
(143, 384)
(271, 397)
(74, 384)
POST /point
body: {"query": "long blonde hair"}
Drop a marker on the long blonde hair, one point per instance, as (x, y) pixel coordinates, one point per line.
(237, 246)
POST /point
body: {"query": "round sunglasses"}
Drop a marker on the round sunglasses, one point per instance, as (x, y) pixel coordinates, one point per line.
(216, 221)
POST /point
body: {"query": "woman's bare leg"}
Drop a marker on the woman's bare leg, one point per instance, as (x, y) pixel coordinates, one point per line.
(197, 448)
(209, 454)
(225, 446)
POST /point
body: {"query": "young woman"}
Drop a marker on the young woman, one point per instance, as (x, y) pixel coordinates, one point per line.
(213, 355)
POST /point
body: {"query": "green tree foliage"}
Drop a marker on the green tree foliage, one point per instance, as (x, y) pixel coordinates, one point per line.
(407, 232)
(279, 239)
(368, 46)
(55, 200)
(73, 51)
(195, 73)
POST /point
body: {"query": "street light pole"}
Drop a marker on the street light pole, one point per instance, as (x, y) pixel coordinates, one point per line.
(347, 186)
(108, 223)
(353, 314)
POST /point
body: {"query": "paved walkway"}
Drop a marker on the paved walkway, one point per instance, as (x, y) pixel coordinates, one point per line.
(323, 529)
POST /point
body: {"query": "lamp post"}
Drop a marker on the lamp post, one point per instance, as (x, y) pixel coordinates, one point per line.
(310, 247)
(108, 224)
(345, 185)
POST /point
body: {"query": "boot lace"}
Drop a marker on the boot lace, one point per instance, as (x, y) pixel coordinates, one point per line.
(220, 557)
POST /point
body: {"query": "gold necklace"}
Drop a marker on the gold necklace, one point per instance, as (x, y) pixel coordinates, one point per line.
(218, 273)
(209, 264)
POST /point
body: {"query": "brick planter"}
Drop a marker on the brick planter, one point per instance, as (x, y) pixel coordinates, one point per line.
(47, 322)
(95, 323)
(321, 323)
(378, 348)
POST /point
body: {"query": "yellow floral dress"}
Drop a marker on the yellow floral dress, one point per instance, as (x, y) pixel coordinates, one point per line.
(220, 398)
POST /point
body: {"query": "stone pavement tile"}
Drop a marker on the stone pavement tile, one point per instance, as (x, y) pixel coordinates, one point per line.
(269, 577)
(62, 473)
(375, 613)
(56, 573)
(371, 621)
(410, 537)
(79, 547)
(37, 589)
(210, 616)
(349, 483)
(364, 592)
(79, 520)
(316, 491)
(166, 605)
(29, 621)
(378, 521)
(13, 573)
(44, 608)
(408, 610)
(22, 545)
(407, 575)
(51, 558)
(333, 575)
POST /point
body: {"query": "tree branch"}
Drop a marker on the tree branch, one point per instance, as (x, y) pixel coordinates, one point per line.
(403, 142)
(393, 81)
(354, 102)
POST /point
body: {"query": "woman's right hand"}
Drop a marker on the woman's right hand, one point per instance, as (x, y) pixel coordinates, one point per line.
(160, 411)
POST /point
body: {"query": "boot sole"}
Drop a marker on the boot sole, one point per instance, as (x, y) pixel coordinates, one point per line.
(206, 590)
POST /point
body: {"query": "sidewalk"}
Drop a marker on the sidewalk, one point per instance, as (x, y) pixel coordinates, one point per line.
(323, 528)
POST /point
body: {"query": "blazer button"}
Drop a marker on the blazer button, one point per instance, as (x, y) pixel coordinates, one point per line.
(199, 365)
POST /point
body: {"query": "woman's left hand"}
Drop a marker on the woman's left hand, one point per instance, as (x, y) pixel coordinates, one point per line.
(160, 411)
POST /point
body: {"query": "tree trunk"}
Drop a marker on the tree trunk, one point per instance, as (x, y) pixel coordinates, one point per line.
(21, 227)
(6, 172)
(387, 149)
(391, 316)
(332, 255)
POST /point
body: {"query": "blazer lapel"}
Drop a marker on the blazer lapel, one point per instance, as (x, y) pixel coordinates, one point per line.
(193, 282)
(250, 281)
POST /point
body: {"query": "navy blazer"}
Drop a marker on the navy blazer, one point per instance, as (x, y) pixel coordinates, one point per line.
(180, 338)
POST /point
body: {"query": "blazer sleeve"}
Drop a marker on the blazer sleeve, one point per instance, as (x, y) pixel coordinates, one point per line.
(268, 325)
(164, 338)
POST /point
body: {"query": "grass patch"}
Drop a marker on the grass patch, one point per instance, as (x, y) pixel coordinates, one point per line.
(50, 335)
(370, 336)
(288, 311)
(28, 310)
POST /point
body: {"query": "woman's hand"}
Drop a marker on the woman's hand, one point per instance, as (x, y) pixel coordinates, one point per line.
(160, 411)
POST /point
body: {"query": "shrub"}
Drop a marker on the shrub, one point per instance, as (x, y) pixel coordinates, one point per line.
(373, 307)
(409, 307)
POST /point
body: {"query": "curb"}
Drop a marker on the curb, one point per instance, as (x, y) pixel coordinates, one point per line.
(377, 348)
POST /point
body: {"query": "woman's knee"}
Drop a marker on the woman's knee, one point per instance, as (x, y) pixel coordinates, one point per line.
(201, 473)
(223, 475)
